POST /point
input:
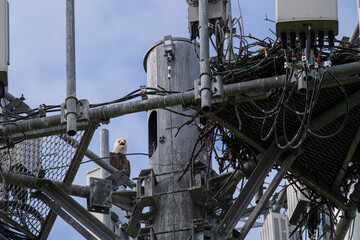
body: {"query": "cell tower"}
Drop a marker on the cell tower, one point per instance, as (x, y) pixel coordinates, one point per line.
(279, 111)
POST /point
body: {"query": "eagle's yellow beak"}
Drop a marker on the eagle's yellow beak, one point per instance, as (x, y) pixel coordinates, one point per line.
(122, 142)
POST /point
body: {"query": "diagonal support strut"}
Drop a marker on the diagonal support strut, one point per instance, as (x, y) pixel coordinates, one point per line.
(257, 177)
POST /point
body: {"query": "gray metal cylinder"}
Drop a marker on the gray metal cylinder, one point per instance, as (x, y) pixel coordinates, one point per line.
(172, 65)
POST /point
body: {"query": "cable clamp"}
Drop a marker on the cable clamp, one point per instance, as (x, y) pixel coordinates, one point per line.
(82, 111)
(143, 92)
(42, 110)
(169, 48)
(217, 87)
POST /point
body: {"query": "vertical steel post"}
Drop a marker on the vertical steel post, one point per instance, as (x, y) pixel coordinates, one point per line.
(104, 153)
(205, 77)
(228, 37)
(358, 25)
(104, 145)
(71, 100)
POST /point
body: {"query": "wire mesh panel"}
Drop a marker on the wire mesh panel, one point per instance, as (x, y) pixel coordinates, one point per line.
(49, 158)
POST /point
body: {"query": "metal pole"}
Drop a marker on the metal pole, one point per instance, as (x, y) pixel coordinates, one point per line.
(71, 100)
(355, 34)
(205, 77)
(228, 37)
(104, 153)
(104, 148)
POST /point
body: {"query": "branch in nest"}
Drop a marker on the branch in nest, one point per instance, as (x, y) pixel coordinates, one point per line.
(238, 116)
(186, 123)
(191, 161)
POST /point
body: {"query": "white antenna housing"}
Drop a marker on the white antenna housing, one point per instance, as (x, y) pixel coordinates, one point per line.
(295, 16)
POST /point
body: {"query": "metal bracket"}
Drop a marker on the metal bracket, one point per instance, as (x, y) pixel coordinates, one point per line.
(169, 52)
(124, 199)
(169, 47)
(82, 110)
(217, 87)
(17, 105)
(147, 233)
(145, 207)
(42, 110)
(141, 214)
(143, 92)
(100, 195)
(146, 176)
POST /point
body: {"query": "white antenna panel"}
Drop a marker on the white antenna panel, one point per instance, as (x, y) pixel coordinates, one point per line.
(296, 16)
(275, 227)
(296, 202)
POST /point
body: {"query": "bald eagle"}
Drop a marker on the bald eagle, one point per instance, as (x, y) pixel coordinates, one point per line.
(117, 157)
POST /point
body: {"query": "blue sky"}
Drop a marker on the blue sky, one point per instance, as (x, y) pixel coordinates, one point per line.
(112, 37)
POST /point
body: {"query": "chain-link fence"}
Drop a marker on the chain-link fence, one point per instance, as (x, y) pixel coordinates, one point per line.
(47, 157)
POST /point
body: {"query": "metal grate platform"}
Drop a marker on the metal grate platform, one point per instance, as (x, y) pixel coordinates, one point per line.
(47, 157)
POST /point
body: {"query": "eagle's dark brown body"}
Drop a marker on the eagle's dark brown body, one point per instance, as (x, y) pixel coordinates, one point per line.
(120, 162)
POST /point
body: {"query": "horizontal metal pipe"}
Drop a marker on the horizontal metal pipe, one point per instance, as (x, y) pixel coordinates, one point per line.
(116, 110)
(35, 183)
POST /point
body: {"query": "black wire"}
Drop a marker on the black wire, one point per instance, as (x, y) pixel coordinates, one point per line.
(93, 160)
(305, 121)
(346, 113)
(132, 95)
(283, 99)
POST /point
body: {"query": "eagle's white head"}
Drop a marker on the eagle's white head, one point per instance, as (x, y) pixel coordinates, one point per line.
(120, 146)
